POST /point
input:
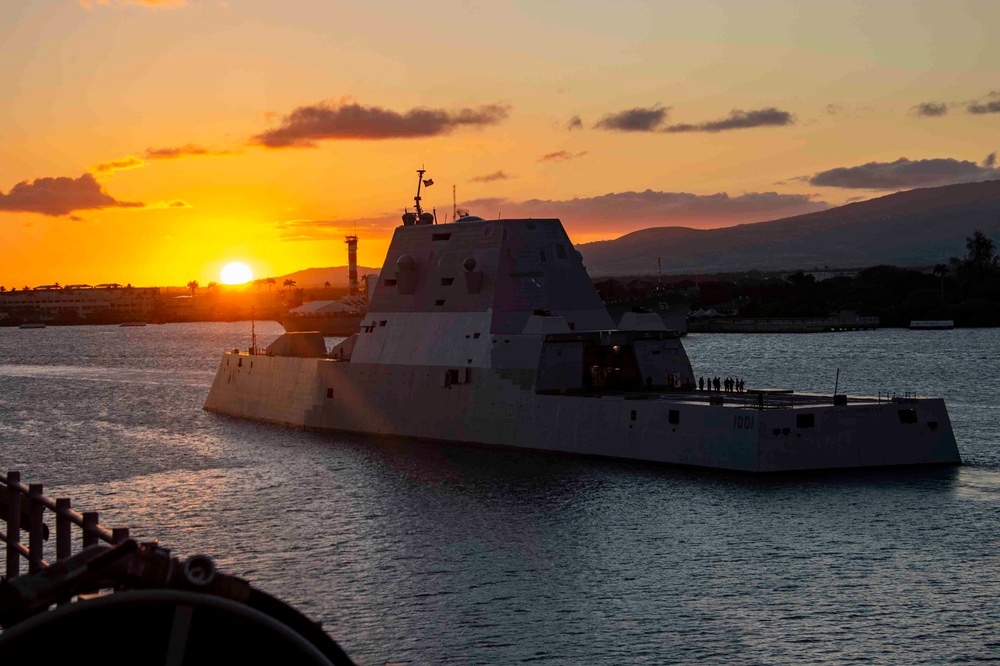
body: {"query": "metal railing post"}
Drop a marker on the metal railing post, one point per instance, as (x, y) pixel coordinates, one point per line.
(64, 529)
(35, 541)
(13, 525)
(119, 534)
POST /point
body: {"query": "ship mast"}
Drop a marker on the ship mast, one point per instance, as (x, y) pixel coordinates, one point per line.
(416, 199)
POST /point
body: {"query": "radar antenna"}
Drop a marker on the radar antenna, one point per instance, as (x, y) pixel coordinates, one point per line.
(420, 181)
(420, 217)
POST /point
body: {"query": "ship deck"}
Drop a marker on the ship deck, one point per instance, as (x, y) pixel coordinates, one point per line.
(750, 399)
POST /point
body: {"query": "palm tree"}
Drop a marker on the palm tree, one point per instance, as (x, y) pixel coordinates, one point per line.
(327, 284)
(192, 285)
(213, 287)
(289, 282)
(259, 282)
(270, 283)
(2, 289)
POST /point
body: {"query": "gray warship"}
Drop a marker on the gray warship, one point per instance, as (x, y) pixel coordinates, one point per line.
(490, 332)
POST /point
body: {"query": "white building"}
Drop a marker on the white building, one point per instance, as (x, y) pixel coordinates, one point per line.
(81, 301)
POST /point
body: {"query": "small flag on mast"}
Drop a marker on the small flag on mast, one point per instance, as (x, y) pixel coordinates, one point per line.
(428, 182)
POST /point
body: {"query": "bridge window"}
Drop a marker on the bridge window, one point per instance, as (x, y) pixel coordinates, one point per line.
(446, 281)
(440, 237)
(805, 421)
(907, 416)
(560, 251)
(389, 282)
(674, 417)
(440, 301)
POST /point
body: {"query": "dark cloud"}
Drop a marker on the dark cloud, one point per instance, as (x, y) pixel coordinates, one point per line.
(306, 125)
(491, 177)
(574, 123)
(988, 106)
(561, 156)
(905, 173)
(187, 150)
(738, 119)
(833, 109)
(635, 120)
(124, 164)
(60, 196)
(627, 211)
(990, 160)
(930, 110)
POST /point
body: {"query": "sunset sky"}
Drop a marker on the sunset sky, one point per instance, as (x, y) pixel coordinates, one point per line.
(154, 141)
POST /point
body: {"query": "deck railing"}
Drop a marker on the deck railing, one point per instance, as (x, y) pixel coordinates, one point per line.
(28, 502)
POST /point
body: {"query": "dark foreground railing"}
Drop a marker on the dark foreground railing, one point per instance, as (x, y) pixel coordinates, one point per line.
(165, 609)
(23, 507)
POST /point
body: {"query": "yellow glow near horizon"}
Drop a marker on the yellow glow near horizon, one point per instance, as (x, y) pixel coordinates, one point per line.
(235, 272)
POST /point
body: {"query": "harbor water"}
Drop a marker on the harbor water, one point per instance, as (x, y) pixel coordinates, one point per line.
(433, 554)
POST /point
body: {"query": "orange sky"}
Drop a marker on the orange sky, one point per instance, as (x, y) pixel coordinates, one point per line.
(154, 141)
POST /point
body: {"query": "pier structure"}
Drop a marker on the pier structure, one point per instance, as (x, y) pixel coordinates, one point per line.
(778, 325)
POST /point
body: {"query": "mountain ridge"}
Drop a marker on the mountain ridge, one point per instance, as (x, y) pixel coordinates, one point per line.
(917, 227)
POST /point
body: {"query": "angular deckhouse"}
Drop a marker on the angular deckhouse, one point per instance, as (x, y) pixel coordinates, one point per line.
(491, 332)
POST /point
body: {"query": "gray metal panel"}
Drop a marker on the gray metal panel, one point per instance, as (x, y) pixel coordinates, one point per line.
(526, 265)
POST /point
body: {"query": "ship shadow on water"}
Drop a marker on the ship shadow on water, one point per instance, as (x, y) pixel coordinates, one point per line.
(443, 462)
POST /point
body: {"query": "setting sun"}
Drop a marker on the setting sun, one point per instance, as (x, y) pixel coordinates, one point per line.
(236, 273)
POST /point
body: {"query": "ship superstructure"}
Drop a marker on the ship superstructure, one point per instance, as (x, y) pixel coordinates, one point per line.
(490, 332)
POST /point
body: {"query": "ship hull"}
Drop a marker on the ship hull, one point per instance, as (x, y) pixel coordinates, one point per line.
(502, 409)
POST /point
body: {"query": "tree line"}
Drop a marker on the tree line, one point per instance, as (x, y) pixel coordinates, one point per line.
(965, 290)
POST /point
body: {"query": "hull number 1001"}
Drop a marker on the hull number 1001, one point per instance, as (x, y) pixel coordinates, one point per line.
(741, 422)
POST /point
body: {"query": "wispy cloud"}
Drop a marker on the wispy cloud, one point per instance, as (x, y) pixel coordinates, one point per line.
(306, 125)
(574, 123)
(905, 173)
(627, 211)
(60, 196)
(930, 109)
(187, 150)
(638, 119)
(172, 204)
(330, 230)
(738, 119)
(491, 177)
(123, 164)
(562, 156)
(155, 4)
